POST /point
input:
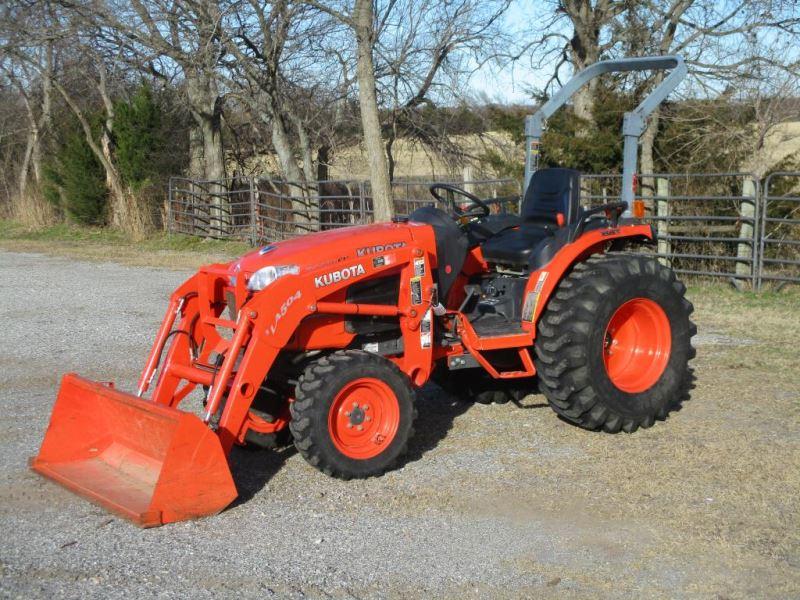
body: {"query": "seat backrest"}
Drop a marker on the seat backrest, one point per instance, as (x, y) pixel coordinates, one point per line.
(552, 191)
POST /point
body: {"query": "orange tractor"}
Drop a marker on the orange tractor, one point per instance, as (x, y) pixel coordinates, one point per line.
(325, 338)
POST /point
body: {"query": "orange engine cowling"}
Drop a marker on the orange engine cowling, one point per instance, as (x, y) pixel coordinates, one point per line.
(147, 462)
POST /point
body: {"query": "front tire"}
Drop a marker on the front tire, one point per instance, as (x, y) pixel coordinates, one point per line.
(614, 343)
(353, 414)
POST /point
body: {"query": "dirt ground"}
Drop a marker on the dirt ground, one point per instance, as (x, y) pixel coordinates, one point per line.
(493, 501)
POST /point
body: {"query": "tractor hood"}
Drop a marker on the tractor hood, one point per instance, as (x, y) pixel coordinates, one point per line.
(316, 250)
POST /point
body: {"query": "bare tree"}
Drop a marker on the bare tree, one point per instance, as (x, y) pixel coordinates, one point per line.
(188, 35)
(589, 42)
(35, 91)
(426, 52)
(575, 34)
(724, 44)
(28, 68)
(361, 19)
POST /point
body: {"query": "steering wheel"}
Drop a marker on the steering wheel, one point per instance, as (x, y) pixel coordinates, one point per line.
(479, 208)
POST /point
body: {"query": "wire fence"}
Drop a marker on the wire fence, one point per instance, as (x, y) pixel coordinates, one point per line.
(723, 225)
(259, 209)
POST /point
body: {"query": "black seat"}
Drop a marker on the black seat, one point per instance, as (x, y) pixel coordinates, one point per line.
(551, 192)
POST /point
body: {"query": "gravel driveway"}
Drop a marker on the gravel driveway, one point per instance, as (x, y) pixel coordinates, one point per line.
(495, 501)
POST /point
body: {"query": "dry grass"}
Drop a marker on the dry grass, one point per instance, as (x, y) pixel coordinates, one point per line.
(32, 210)
(131, 214)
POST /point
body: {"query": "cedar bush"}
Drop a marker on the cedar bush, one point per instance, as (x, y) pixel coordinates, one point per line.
(138, 139)
(74, 180)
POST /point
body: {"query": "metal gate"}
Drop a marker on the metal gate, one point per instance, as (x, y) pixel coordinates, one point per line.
(722, 225)
(779, 251)
(706, 223)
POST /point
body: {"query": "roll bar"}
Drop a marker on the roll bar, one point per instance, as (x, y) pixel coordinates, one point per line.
(634, 122)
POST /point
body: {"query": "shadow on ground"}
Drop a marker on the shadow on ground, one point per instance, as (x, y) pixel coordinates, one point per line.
(437, 410)
(252, 469)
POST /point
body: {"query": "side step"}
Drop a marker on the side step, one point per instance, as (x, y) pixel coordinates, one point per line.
(476, 344)
(493, 325)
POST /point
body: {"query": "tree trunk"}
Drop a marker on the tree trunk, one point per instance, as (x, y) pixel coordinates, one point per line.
(323, 162)
(583, 104)
(36, 157)
(305, 150)
(26, 164)
(197, 169)
(390, 157)
(206, 108)
(311, 188)
(112, 175)
(205, 105)
(291, 171)
(43, 127)
(31, 154)
(584, 51)
(283, 148)
(118, 216)
(214, 164)
(363, 16)
(213, 155)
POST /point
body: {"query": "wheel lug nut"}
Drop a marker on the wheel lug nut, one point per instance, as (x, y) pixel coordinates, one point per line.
(368, 418)
(365, 407)
(355, 404)
(347, 413)
(360, 428)
(349, 425)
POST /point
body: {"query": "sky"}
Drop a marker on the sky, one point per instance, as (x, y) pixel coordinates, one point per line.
(509, 84)
(512, 83)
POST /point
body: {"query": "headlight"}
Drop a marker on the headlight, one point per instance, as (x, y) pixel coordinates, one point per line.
(266, 275)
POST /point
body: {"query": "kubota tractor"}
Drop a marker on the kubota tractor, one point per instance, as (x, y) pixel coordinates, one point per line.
(327, 337)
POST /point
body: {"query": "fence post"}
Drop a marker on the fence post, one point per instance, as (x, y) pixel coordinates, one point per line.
(662, 227)
(467, 175)
(169, 206)
(745, 250)
(763, 215)
(253, 211)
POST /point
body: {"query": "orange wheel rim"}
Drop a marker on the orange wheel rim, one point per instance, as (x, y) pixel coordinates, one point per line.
(637, 345)
(364, 418)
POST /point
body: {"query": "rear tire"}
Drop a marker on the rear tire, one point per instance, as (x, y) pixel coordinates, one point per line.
(353, 414)
(614, 343)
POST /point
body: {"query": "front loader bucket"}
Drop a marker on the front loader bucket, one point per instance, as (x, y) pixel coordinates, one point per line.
(144, 461)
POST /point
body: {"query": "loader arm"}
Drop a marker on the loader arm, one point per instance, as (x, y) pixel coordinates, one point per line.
(266, 323)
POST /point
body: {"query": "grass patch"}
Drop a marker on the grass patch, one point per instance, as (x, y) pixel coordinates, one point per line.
(105, 244)
(763, 326)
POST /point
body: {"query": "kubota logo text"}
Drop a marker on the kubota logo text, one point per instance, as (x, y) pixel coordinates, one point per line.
(380, 248)
(337, 276)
